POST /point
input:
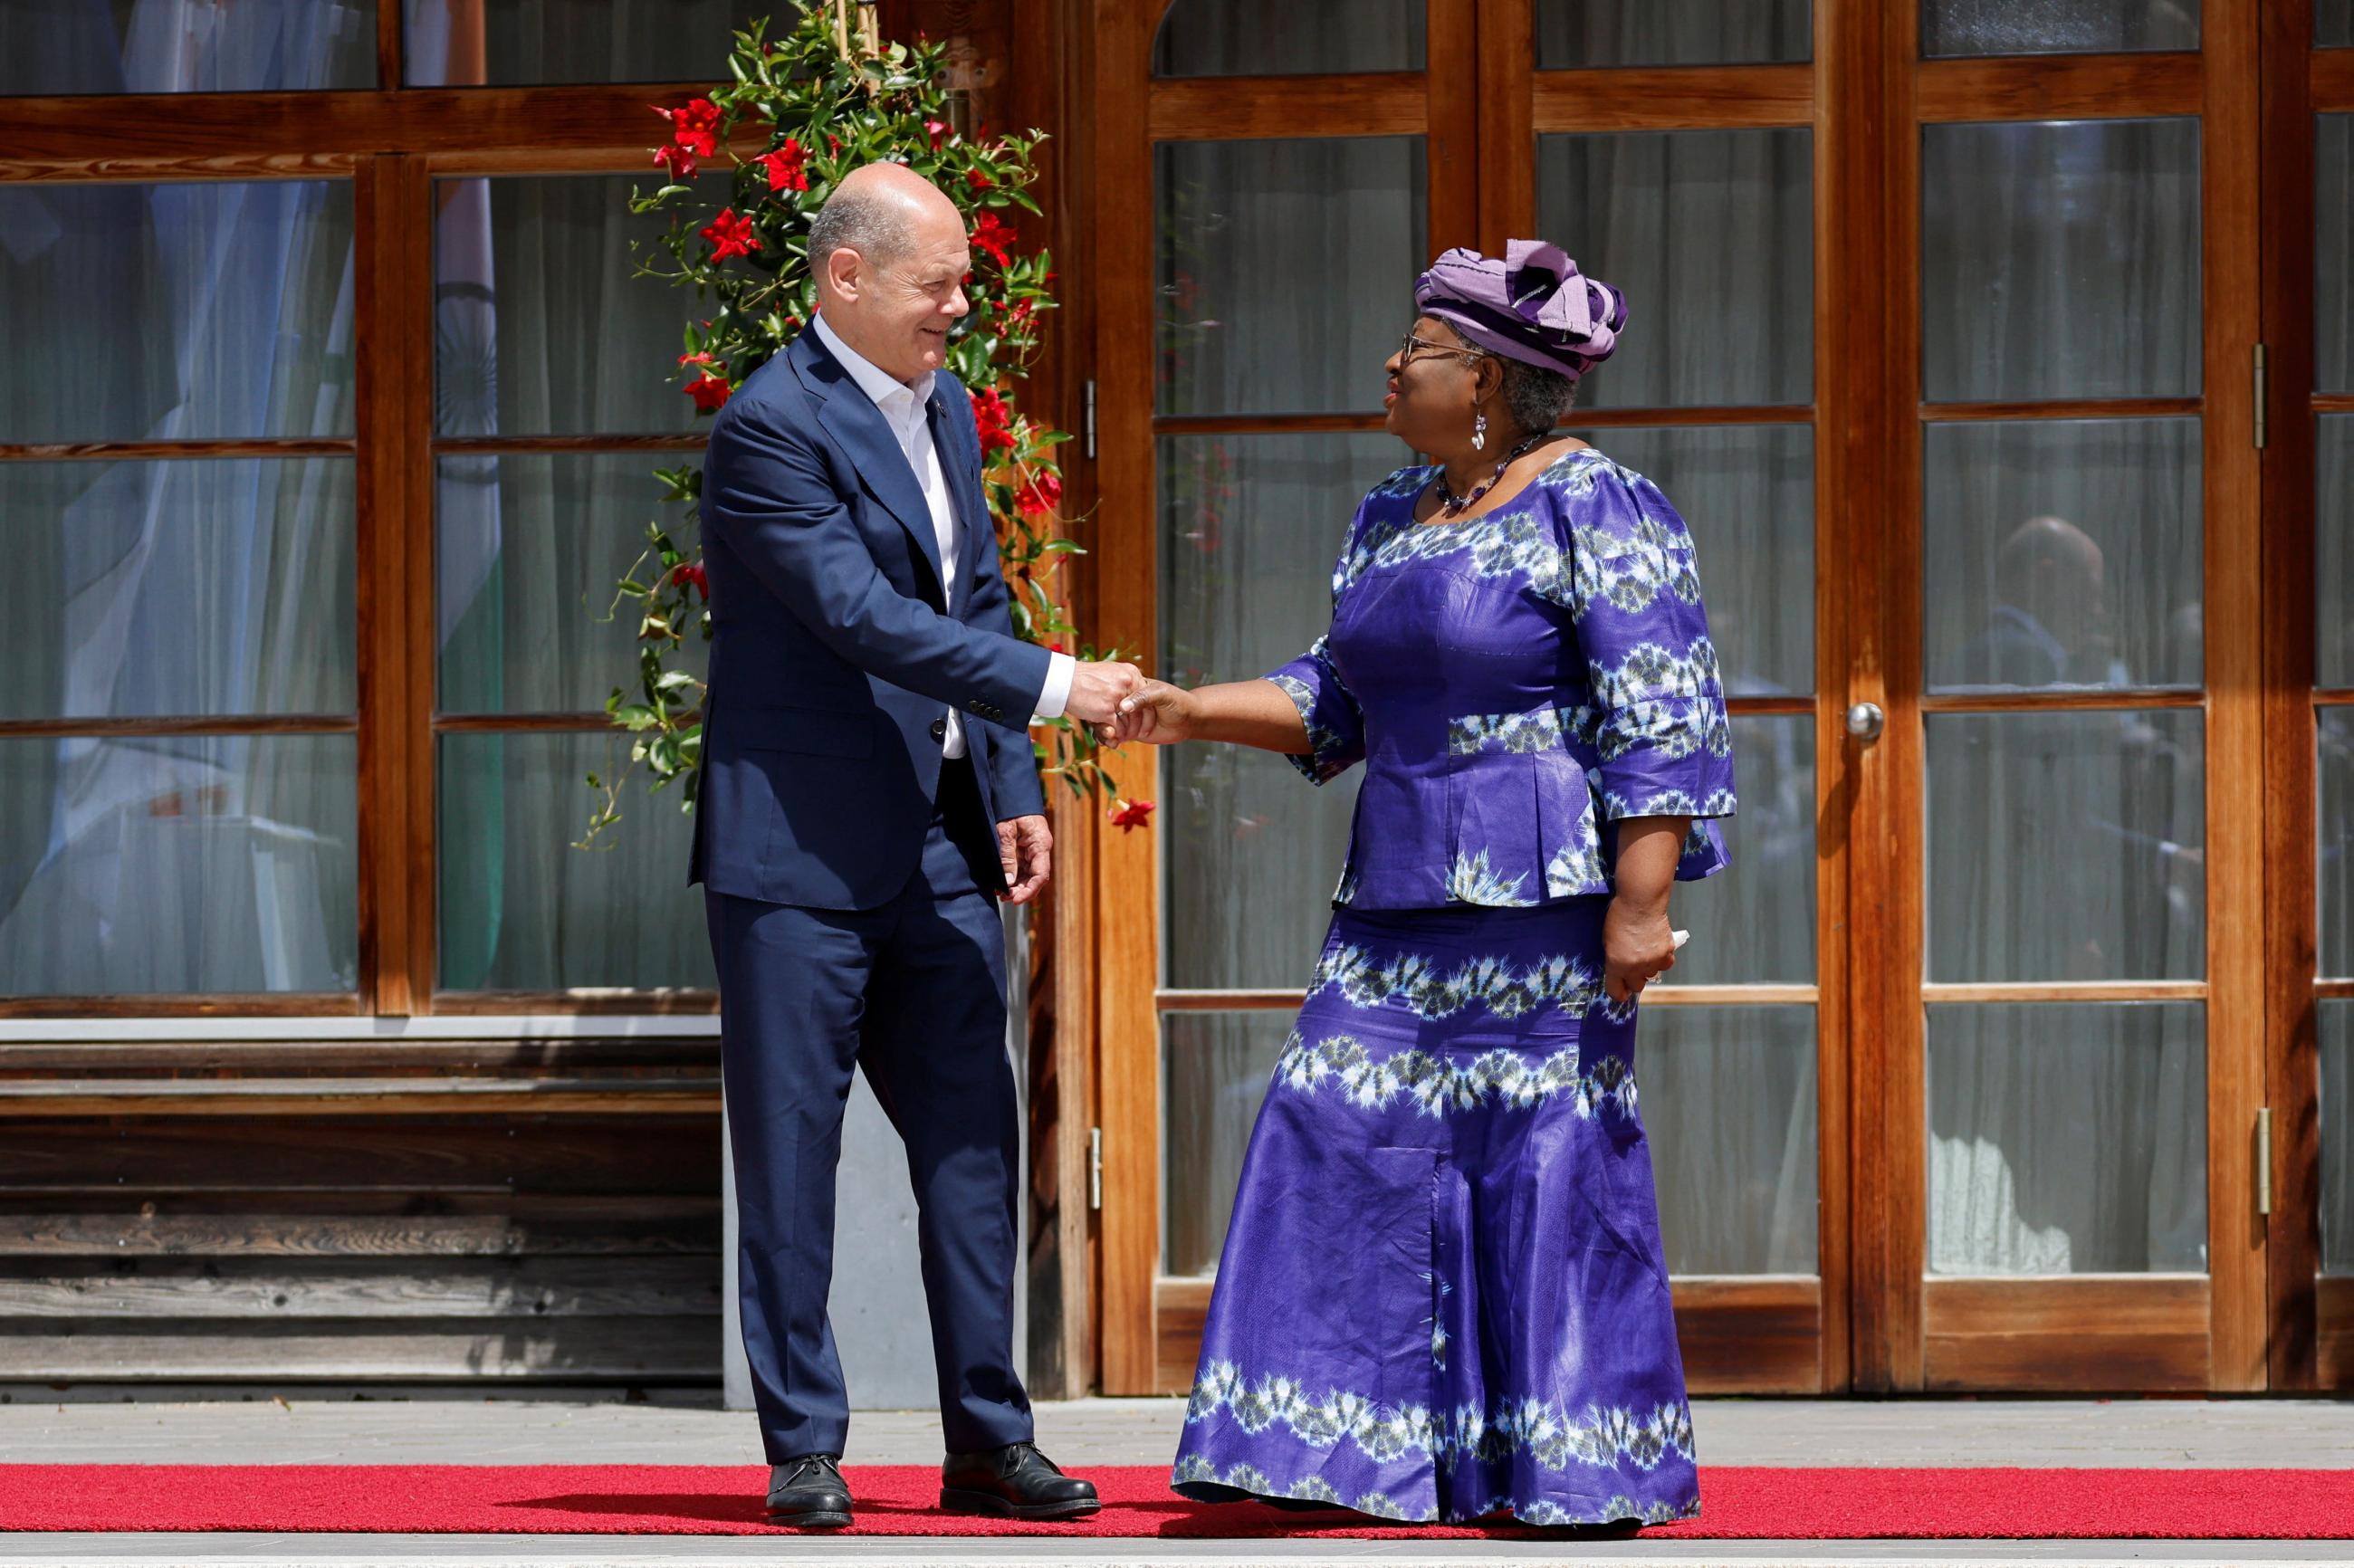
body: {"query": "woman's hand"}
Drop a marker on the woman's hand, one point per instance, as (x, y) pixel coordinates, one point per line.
(1636, 946)
(1157, 714)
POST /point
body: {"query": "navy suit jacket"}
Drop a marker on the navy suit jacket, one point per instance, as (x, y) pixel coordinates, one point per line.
(833, 659)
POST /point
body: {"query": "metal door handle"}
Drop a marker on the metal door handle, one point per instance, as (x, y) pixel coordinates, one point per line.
(1864, 721)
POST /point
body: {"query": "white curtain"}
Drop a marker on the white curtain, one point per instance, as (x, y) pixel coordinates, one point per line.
(1709, 235)
(62, 47)
(2057, 26)
(530, 41)
(2334, 372)
(2062, 260)
(1286, 272)
(543, 331)
(214, 587)
(1572, 34)
(2067, 1139)
(2337, 1137)
(1219, 38)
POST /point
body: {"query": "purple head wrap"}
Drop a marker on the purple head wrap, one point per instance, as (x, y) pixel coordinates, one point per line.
(1533, 305)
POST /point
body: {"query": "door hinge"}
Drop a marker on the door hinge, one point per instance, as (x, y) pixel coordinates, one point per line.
(2264, 1160)
(1088, 420)
(1095, 1167)
(2263, 397)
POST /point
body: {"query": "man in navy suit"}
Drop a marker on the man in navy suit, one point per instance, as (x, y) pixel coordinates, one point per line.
(868, 796)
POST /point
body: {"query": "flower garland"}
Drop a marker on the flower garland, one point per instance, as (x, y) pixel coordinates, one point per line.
(823, 99)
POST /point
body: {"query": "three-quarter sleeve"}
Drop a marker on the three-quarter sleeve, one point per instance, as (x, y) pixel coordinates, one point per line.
(1659, 723)
(1336, 727)
(1335, 724)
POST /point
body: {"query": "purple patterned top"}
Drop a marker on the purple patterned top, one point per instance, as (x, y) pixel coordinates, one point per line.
(1515, 683)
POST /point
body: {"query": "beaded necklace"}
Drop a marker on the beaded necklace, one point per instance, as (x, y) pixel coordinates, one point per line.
(1450, 504)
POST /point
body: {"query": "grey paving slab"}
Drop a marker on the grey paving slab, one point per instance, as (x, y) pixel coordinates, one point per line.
(2129, 1432)
(608, 1551)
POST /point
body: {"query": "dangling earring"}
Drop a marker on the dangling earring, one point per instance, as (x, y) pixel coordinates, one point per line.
(1479, 433)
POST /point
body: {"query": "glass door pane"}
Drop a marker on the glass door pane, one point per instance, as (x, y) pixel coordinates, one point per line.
(1578, 34)
(1710, 235)
(2064, 749)
(1250, 521)
(1304, 38)
(2057, 26)
(2334, 654)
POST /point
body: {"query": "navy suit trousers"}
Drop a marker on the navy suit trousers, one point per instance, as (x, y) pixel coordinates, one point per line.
(912, 994)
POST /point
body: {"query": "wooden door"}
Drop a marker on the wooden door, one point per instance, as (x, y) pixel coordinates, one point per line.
(1945, 321)
(2309, 563)
(1267, 187)
(2059, 948)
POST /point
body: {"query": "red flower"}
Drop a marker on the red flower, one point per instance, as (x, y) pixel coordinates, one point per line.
(834, 145)
(691, 572)
(785, 166)
(1054, 645)
(978, 179)
(694, 128)
(1041, 494)
(730, 235)
(994, 235)
(1128, 814)
(1021, 314)
(993, 421)
(678, 159)
(710, 393)
(696, 359)
(936, 130)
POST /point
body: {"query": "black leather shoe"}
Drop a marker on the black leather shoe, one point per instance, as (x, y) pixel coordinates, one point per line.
(808, 1493)
(1016, 1482)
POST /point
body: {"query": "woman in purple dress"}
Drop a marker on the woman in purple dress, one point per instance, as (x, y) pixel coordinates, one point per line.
(1443, 1293)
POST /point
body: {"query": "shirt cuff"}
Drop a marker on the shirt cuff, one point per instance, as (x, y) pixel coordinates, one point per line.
(1061, 669)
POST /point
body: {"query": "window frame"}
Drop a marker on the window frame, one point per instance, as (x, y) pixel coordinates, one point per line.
(392, 143)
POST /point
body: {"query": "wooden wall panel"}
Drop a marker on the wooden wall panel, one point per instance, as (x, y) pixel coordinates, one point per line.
(281, 135)
(1738, 1336)
(1123, 585)
(2067, 1335)
(1867, 450)
(2232, 617)
(581, 1248)
(2305, 1351)
(1751, 1336)
(658, 1350)
(2333, 1333)
(421, 1155)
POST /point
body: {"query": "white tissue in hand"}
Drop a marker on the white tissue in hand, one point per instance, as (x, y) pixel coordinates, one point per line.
(1680, 939)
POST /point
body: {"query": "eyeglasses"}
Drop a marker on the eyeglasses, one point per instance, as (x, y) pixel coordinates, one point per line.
(1409, 343)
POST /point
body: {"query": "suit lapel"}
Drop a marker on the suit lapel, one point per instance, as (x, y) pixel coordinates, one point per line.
(853, 421)
(960, 466)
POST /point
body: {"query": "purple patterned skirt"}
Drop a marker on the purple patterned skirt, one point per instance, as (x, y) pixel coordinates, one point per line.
(1442, 1294)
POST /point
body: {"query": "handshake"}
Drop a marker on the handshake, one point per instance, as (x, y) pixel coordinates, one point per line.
(1120, 703)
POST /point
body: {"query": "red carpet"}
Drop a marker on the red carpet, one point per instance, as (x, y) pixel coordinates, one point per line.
(685, 1499)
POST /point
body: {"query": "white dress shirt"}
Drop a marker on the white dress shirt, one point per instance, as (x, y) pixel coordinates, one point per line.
(905, 409)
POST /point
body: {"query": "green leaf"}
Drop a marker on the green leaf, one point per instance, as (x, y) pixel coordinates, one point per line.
(634, 716)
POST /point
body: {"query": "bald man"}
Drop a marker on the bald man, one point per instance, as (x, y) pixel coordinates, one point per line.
(868, 798)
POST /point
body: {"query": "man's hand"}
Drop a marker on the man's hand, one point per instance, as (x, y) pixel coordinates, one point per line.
(1025, 848)
(1157, 714)
(1096, 688)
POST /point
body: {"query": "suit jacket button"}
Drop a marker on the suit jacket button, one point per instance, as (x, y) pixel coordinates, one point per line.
(939, 729)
